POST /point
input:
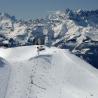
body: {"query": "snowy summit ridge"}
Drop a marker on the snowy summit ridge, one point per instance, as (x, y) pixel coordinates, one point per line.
(54, 73)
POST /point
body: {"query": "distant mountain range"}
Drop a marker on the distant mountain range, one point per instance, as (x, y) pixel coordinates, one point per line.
(73, 30)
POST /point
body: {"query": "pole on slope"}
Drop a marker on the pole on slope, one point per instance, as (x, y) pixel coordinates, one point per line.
(38, 51)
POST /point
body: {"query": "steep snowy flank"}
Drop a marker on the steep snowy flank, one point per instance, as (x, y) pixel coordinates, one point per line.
(51, 73)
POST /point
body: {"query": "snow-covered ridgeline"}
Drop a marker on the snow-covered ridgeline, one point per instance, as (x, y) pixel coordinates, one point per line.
(53, 73)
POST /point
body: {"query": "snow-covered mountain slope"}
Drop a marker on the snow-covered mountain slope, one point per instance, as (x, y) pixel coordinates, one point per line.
(80, 25)
(4, 76)
(53, 73)
(74, 30)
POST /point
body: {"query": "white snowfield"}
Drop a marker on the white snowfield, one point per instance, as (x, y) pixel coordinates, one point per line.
(54, 73)
(4, 77)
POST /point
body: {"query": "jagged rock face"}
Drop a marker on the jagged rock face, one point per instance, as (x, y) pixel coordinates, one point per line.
(74, 30)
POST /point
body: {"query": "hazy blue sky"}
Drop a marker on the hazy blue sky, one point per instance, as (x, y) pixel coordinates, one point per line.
(38, 8)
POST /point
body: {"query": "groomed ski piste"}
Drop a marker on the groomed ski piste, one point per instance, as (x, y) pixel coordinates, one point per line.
(53, 73)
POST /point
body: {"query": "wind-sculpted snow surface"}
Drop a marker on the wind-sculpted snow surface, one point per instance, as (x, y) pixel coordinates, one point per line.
(51, 73)
(4, 77)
